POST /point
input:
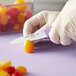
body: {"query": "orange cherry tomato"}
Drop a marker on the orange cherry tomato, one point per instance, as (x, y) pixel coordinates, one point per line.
(21, 69)
(4, 19)
(21, 18)
(17, 27)
(29, 46)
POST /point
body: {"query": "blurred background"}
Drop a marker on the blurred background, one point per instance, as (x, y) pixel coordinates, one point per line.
(23, 10)
(54, 5)
(40, 5)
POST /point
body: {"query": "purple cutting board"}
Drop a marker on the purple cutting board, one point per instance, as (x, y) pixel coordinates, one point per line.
(48, 59)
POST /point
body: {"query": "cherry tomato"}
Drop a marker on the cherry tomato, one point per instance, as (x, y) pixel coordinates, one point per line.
(4, 19)
(29, 46)
(20, 7)
(3, 73)
(10, 70)
(13, 12)
(17, 73)
(11, 22)
(3, 9)
(21, 18)
(4, 28)
(17, 27)
(28, 14)
(21, 69)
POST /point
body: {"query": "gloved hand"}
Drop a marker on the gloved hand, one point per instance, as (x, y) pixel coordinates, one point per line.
(39, 22)
(64, 27)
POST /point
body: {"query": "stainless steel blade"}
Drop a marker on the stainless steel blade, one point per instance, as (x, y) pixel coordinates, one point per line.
(32, 37)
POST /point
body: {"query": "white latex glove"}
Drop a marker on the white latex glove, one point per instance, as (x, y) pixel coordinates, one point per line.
(39, 22)
(64, 27)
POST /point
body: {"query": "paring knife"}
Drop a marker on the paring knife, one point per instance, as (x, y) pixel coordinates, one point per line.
(35, 36)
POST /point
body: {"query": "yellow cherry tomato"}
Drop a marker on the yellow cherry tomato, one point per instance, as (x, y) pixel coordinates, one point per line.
(21, 69)
(29, 46)
(20, 7)
(3, 9)
(5, 64)
(3, 73)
